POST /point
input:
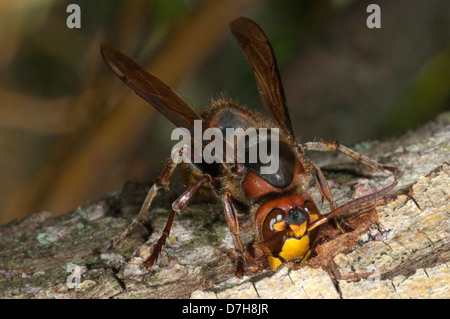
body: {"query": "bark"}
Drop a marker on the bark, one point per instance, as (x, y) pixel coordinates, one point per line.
(399, 249)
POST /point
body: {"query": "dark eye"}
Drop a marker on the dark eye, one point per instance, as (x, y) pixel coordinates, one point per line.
(311, 208)
(273, 239)
(286, 167)
(275, 216)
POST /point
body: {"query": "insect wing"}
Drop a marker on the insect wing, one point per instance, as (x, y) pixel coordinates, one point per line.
(158, 94)
(259, 53)
(151, 89)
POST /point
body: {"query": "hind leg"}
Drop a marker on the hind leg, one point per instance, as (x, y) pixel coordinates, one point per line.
(162, 181)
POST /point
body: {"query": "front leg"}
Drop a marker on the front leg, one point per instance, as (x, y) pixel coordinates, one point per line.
(323, 186)
(233, 225)
(354, 204)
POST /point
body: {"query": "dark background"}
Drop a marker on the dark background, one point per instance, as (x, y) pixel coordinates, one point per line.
(70, 131)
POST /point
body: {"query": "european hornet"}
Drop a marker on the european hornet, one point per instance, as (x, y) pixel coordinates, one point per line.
(284, 216)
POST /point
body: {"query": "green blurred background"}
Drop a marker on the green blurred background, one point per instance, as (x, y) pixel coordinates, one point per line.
(71, 132)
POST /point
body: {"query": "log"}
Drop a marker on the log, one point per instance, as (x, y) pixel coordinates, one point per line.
(398, 249)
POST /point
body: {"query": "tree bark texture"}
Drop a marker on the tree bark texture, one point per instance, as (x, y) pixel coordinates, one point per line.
(399, 249)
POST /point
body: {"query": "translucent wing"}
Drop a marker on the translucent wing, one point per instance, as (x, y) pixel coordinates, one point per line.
(259, 53)
(151, 89)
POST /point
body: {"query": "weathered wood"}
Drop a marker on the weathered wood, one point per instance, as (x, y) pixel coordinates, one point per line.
(401, 250)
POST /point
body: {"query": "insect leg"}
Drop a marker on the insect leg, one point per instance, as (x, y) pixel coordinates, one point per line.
(335, 146)
(233, 225)
(325, 190)
(162, 181)
(356, 203)
(323, 186)
(177, 206)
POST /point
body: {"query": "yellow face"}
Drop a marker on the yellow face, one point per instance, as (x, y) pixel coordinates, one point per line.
(294, 247)
(284, 231)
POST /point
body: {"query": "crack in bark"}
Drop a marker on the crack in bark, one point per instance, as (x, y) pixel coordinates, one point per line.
(333, 271)
(410, 266)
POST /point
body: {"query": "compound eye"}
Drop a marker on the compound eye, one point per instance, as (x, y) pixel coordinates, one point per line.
(311, 208)
(273, 238)
(276, 215)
